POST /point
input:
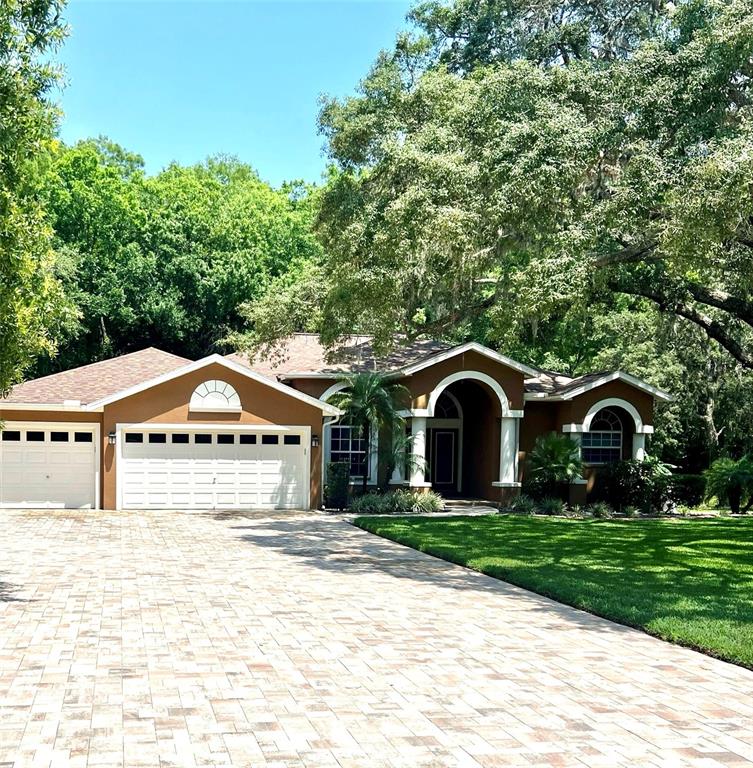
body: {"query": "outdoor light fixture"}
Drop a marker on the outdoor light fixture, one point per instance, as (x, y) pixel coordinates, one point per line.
(111, 438)
(314, 441)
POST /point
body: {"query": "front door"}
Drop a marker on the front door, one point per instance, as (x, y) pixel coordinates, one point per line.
(444, 459)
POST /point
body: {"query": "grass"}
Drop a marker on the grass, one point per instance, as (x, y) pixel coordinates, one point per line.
(684, 580)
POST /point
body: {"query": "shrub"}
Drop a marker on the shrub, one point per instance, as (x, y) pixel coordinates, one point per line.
(689, 490)
(643, 484)
(399, 502)
(424, 503)
(731, 481)
(553, 462)
(523, 505)
(600, 510)
(630, 511)
(552, 506)
(336, 488)
(369, 504)
(575, 510)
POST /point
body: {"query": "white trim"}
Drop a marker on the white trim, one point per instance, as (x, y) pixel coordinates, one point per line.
(470, 346)
(6, 406)
(327, 441)
(616, 402)
(74, 426)
(242, 370)
(458, 424)
(226, 428)
(646, 429)
(634, 381)
(517, 414)
(498, 484)
(493, 384)
(333, 389)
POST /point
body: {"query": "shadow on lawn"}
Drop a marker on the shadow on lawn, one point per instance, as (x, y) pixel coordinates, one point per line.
(339, 548)
(655, 574)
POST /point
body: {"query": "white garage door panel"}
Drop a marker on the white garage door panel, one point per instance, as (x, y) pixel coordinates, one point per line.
(215, 476)
(48, 474)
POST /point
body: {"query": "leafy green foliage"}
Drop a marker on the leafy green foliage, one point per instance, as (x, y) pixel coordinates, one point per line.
(643, 484)
(371, 402)
(551, 505)
(31, 304)
(690, 580)
(337, 485)
(553, 461)
(399, 502)
(688, 490)
(167, 260)
(732, 482)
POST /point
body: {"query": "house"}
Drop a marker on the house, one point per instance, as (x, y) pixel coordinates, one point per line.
(151, 430)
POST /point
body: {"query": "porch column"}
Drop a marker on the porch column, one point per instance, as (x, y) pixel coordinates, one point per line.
(399, 471)
(508, 452)
(639, 446)
(418, 450)
(576, 437)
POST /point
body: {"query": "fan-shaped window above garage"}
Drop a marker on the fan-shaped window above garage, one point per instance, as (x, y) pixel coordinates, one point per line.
(214, 396)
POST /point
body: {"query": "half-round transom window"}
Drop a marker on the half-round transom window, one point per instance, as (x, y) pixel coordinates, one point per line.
(215, 395)
(445, 408)
(602, 444)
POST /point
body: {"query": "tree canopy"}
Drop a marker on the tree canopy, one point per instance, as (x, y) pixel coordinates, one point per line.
(31, 304)
(165, 260)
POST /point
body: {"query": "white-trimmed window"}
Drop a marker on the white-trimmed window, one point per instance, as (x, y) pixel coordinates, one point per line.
(347, 444)
(602, 444)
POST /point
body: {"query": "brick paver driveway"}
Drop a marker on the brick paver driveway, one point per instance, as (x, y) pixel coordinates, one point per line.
(189, 639)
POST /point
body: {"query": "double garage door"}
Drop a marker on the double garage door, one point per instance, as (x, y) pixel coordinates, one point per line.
(213, 469)
(46, 465)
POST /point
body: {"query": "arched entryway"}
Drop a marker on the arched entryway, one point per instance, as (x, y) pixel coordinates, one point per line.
(467, 437)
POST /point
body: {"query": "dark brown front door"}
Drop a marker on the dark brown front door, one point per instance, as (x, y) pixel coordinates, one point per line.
(444, 459)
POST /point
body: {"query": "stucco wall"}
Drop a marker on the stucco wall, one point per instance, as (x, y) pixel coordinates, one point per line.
(168, 404)
(422, 383)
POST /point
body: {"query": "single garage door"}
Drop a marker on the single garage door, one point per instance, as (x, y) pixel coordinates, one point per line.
(48, 465)
(214, 469)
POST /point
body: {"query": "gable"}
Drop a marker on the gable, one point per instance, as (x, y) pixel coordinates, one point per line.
(220, 366)
(426, 378)
(170, 402)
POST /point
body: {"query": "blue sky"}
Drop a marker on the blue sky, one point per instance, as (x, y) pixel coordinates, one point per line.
(183, 80)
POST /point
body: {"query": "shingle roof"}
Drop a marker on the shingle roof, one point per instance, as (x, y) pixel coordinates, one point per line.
(96, 380)
(304, 353)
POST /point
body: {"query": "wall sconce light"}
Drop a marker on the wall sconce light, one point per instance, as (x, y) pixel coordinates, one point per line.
(314, 441)
(111, 438)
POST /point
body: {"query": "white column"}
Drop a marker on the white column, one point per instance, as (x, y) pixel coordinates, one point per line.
(508, 451)
(399, 470)
(639, 447)
(576, 438)
(418, 446)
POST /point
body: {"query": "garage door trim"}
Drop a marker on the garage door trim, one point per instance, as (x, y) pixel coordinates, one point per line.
(55, 426)
(120, 428)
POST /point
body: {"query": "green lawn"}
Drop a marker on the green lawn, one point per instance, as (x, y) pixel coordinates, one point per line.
(688, 581)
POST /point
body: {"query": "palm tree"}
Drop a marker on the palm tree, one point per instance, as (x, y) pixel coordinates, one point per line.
(554, 460)
(371, 401)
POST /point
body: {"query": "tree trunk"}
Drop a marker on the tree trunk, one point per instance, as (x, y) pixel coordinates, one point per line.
(735, 496)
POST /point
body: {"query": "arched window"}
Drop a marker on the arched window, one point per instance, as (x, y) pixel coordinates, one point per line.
(214, 396)
(602, 444)
(446, 408)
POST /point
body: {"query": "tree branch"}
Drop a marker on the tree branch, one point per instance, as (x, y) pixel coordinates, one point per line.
(713, 328)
